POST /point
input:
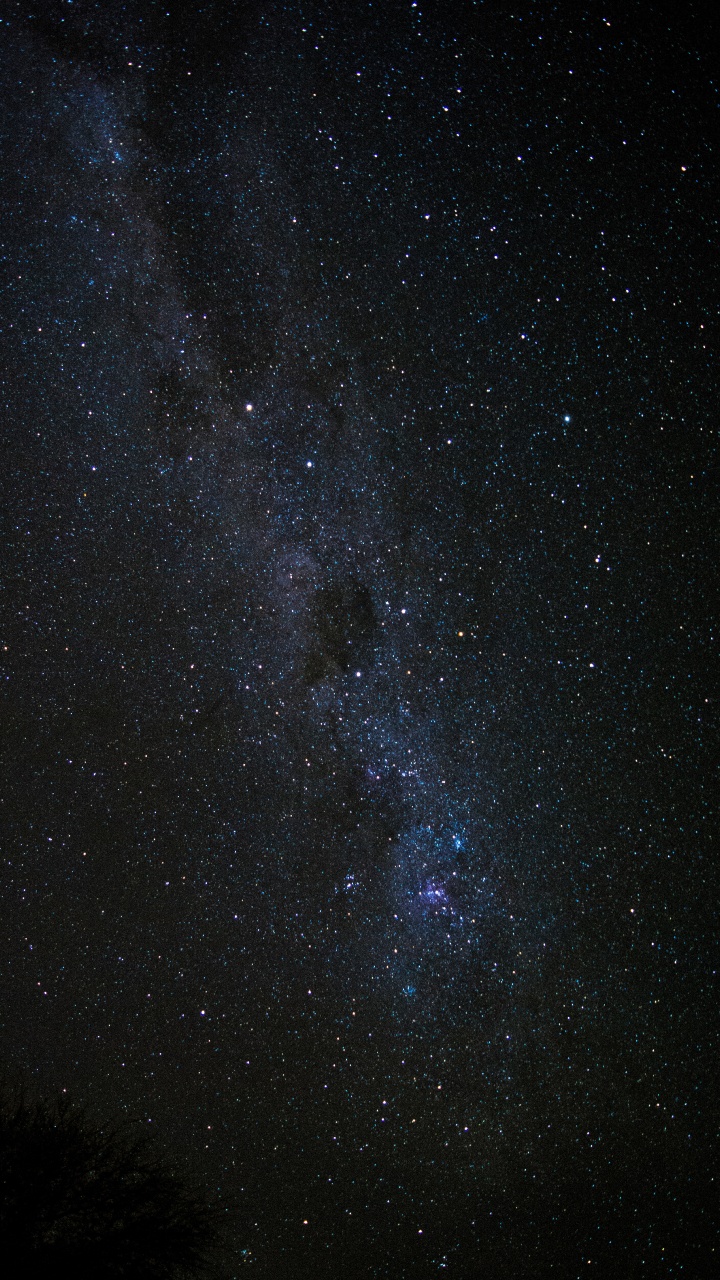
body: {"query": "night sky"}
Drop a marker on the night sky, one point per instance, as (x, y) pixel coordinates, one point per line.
(358, 539)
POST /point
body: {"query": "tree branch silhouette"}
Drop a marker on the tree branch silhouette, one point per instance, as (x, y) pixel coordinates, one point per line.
(90, 1200)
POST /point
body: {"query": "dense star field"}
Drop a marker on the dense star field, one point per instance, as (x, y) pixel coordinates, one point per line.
(358, 532)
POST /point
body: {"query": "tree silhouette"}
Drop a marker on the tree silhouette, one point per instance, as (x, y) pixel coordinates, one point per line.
(86, 1201)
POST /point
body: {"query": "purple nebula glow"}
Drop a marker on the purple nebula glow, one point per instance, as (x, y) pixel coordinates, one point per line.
(434, 895)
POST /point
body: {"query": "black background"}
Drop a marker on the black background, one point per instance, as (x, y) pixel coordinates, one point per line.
(357, 580)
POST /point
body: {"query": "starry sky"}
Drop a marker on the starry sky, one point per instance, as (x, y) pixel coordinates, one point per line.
(358, 541)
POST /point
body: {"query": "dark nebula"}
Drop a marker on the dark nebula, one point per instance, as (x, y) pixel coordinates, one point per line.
(345, 626)
(359, 540)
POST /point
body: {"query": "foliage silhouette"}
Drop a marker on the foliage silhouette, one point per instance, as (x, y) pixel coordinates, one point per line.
(89, 1201)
